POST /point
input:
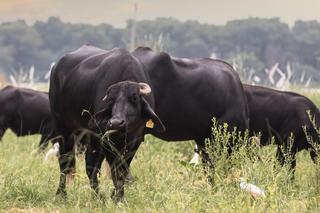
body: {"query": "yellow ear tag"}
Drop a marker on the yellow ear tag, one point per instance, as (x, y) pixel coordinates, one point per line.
(150, 124)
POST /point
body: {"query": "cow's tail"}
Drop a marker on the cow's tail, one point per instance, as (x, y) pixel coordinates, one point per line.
(55, 87)
(55, 93)
(246, 109)
(314, 117)
(313, 133)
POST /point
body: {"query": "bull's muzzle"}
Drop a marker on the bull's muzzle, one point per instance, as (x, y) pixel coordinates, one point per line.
(116, 124)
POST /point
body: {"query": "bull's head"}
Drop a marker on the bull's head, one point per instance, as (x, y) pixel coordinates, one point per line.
(125, 108)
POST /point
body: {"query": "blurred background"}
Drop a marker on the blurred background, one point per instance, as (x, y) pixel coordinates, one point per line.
(273, 43)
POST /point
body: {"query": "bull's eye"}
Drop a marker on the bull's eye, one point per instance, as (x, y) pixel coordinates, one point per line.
(134, 98)
(110, 100)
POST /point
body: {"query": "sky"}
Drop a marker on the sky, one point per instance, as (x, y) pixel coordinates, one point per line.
(116, 12)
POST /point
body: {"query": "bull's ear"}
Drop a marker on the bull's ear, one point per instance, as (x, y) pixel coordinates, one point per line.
(96, 119)
(150, 114)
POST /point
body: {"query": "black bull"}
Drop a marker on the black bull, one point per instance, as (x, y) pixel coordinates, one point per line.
(286, 118)
(281, 114)
(118, 92)
(26, 111)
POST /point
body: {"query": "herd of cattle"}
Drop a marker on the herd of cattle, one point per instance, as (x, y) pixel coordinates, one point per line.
(118, 96)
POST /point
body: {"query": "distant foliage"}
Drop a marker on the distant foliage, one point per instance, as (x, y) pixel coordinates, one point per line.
(260, 43)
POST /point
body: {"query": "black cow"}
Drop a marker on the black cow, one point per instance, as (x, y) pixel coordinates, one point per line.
(104, 91)
(190, 92)
(122, 89)
(278, 113)
(25, 112)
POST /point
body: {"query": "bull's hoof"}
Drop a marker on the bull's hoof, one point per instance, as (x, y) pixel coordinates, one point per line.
(292, 177)
(129, 179)
(98, 196)
(210, 179)
(61, 193)
(95, 193)
(117, 196)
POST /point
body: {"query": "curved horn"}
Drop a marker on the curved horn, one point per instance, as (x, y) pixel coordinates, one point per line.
(144, 89)
(104, 98)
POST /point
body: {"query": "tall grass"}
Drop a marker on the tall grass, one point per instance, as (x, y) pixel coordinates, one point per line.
(164, 183)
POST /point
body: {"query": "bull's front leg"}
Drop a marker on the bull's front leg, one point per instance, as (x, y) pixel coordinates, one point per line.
(119, 164)
(67, 168)
(280, 156)
(67, 163)
(94, 158)
(118, 173)
(208, 165)
(290, 158)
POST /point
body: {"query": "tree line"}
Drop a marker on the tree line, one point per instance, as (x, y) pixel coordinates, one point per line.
(258, 43)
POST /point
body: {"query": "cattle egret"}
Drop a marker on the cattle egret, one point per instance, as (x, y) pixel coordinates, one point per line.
(252, 189)
(52, 152)
(195, 159)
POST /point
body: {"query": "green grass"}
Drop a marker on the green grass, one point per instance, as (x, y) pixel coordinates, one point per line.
(163, 183)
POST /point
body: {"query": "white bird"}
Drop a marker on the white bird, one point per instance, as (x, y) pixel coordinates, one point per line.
(254, 190)
(52, 152)
(195, 159)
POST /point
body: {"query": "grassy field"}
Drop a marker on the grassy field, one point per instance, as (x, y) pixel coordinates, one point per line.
(164, 182)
